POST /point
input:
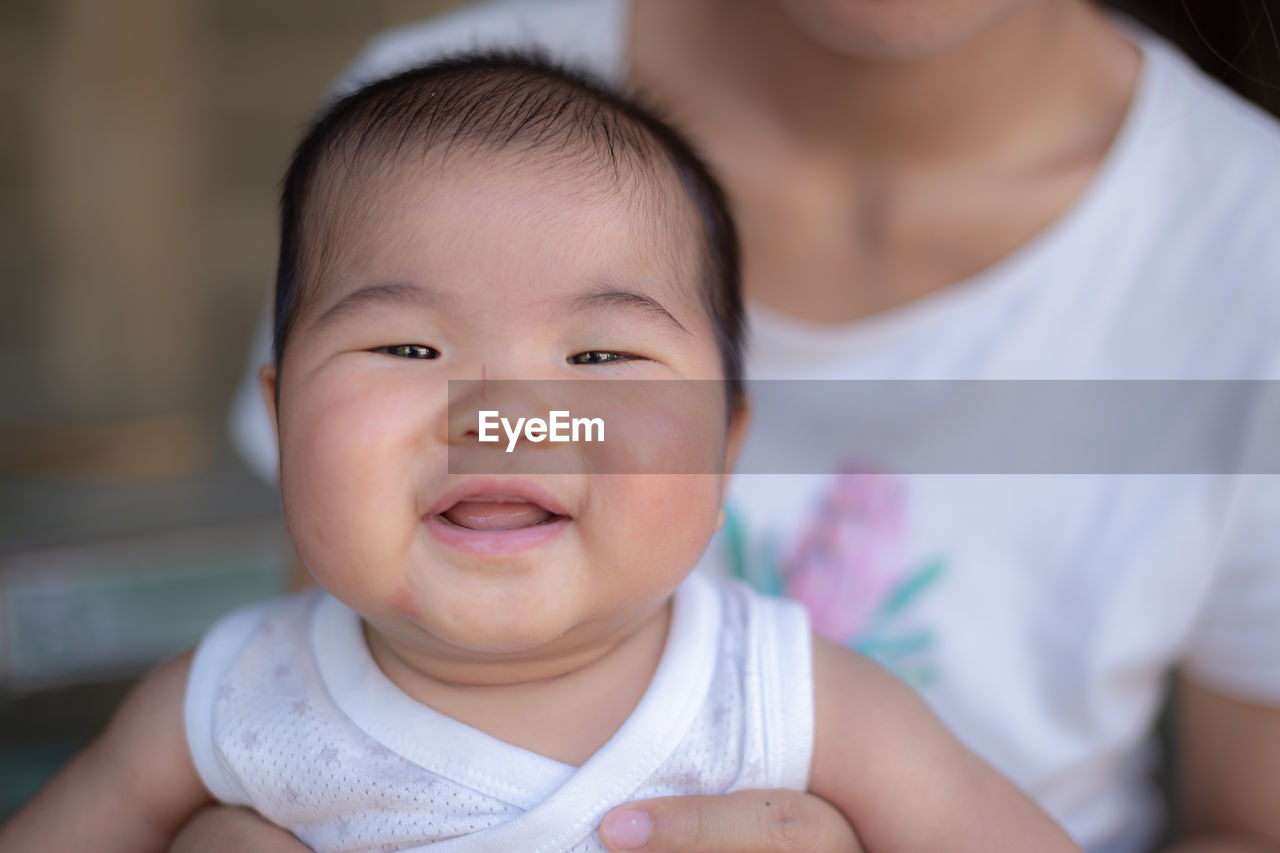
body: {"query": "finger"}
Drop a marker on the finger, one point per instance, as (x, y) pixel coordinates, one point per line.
(741, 822)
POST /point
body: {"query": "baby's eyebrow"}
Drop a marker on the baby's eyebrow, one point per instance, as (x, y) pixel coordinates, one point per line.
(610, 296)
(394, 292)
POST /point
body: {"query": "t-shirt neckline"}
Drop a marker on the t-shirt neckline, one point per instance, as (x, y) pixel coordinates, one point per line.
(1013, 270)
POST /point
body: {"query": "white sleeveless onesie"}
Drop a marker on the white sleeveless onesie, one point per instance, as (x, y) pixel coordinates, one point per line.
(287, 713)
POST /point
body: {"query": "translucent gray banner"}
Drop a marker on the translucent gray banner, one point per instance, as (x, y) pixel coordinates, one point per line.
(907, 426)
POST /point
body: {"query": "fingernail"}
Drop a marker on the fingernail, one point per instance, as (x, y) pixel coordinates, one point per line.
(626, 829)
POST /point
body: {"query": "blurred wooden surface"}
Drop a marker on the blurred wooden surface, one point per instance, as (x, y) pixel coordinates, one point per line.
(140, 153)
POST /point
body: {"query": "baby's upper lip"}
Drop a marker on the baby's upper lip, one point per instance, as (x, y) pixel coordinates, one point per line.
(498, 491)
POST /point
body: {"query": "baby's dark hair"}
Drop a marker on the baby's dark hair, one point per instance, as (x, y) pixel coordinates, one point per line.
(492, 102)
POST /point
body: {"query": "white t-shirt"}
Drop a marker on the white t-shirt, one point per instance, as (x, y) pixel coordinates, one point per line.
(1039, 615)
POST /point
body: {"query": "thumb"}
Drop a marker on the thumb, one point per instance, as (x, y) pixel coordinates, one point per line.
(742, 822)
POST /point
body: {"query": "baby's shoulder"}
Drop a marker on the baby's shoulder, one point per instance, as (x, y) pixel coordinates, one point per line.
(845, 679)
(768, 630)
(743, 606)
(251, 668)
(779, 629)
(279, 622)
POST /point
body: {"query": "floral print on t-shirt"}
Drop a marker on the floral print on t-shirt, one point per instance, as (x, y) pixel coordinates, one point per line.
(849, 570)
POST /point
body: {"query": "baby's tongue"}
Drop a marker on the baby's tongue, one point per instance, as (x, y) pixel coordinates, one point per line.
(496, 515)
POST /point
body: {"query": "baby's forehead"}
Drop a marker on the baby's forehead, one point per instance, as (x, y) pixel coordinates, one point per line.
(643, 207)
(652, 190)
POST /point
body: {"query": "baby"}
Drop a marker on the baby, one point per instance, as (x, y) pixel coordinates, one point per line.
(492, 662)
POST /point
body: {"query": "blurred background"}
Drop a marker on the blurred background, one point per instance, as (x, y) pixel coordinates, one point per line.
(141, 145)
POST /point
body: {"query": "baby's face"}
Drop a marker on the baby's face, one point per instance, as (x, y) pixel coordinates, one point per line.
(498, 271)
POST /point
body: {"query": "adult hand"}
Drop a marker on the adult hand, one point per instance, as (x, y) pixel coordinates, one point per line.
(741, 822)
(223, 829)
(1227, 755)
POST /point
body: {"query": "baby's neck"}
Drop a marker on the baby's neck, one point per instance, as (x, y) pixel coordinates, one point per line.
(564, 708)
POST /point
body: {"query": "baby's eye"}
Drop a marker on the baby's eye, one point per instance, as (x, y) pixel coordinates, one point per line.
(601, 357)
(410, 351)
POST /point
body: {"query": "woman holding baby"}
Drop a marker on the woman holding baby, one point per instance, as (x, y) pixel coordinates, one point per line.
(976, 190)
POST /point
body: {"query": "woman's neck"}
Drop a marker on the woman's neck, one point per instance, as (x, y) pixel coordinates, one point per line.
(861, 185)
(1035, 70)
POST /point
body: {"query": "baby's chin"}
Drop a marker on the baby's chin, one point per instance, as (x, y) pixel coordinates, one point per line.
(512, 639)
(505, 631)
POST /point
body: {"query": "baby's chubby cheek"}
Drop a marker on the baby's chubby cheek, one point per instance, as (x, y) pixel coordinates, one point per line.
(653, 527)
(348, 481)
(656, 427)
(658, 478)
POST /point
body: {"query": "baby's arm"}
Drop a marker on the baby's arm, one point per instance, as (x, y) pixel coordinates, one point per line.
(902, 780)
(130, 790)
(230, 829)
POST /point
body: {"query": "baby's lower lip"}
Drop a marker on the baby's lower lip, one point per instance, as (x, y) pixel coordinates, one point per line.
(495, 541)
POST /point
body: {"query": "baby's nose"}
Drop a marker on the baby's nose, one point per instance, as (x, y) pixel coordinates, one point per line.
(514, 426)
(601, 426)
(476, 406)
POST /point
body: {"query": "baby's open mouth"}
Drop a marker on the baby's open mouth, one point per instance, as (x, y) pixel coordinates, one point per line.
(497, 514)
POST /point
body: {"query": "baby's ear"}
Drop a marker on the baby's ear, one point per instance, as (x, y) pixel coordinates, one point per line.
(267, 383)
